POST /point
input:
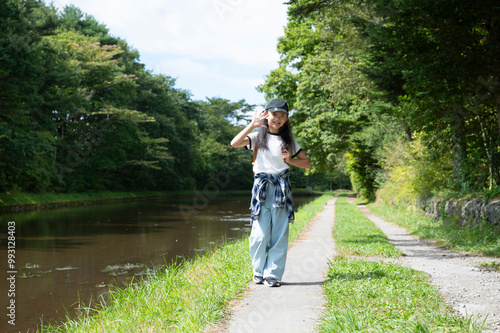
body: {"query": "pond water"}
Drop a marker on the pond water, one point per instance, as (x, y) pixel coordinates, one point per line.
(66, 257)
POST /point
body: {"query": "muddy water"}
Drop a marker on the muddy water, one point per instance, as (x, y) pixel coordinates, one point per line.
(67, 257)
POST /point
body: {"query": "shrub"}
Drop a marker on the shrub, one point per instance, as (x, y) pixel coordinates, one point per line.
(411, 173)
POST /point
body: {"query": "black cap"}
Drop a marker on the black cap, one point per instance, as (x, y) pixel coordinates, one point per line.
(277, 105)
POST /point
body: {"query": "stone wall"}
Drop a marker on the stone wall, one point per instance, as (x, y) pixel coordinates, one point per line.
(465, 211)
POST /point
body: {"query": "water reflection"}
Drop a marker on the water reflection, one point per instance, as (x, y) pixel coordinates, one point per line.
(72, 254)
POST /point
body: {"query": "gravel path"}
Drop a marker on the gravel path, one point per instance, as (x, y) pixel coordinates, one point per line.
(469, 290)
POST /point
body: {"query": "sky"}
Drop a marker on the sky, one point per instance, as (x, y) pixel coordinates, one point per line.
(214, 48)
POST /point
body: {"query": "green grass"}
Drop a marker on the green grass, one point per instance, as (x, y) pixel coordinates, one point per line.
(26, 200)
(369, 296)
(364, 296)
(490, 266)
(482, 239)
(185, 298)
(22, 198)
(355, 234)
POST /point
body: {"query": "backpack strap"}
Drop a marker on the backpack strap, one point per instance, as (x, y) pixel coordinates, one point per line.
(254, 157)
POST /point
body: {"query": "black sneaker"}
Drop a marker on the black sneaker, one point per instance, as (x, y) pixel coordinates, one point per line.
(258, 279)
(272, 282)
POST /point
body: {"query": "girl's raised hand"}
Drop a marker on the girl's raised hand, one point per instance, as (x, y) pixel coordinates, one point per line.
(258, 117)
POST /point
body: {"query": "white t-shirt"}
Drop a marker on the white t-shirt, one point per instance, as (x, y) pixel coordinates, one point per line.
(270, 160)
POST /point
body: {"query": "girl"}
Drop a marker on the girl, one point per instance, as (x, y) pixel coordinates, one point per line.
(272, 206)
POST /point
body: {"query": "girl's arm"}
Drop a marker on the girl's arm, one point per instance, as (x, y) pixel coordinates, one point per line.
(301, 160)
(241, 140)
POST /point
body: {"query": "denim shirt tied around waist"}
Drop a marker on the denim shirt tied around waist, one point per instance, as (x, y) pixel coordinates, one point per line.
(282, 195)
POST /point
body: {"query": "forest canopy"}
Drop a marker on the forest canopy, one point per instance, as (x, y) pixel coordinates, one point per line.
(79, 112)
(403, 95)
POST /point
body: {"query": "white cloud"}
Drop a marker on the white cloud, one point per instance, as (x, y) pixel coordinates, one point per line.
(197, 36)
(210, 80)
(243, 31)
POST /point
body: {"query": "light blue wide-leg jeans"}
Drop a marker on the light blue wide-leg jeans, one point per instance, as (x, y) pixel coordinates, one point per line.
(269, 239)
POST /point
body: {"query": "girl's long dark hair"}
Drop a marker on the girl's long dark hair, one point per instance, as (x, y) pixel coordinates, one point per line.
(285, 134)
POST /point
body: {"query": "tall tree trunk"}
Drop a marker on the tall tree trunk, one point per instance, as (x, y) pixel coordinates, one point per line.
(488, 143)
(498, 109)
(459, 148)
(409, 136)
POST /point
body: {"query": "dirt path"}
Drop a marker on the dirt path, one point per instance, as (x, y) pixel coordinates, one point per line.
(464, 286)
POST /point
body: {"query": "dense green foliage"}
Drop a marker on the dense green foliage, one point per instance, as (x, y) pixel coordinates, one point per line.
(366, 79)
(366, 76)
(79, 112)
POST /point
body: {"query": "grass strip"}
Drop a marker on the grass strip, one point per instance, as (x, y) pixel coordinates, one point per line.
(355, 234)
(481, 239)
(15, 198)
(12, 201)
(185, 298)
(365, 296)
(9, 199)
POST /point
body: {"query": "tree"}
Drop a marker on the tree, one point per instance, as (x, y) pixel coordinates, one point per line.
(79, 112)
(217, 158)
(320, 74)
(443, 53)
(175, 120)
(25, 143)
